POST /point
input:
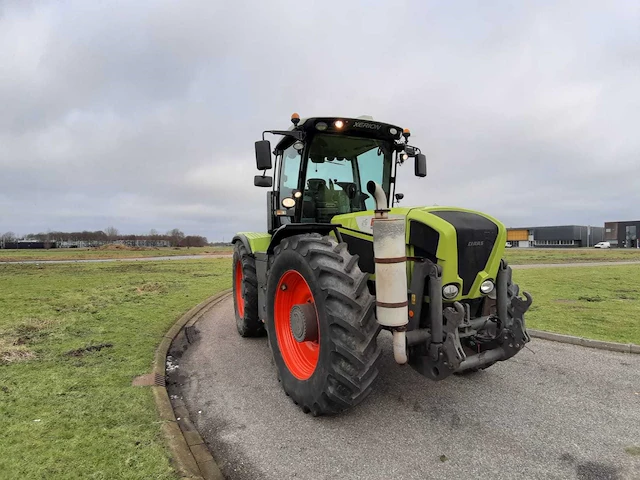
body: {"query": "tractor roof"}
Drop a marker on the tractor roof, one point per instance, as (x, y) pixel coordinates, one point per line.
(363, 126)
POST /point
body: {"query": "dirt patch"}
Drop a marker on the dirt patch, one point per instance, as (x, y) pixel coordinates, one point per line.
(591, 299)
(15, 354)
(14, 343)
(117, 246)
(91, 348)
(152, 287)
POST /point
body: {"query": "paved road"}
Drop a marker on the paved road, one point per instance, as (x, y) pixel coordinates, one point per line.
(139, 259)
(563, 412)
(229, 255)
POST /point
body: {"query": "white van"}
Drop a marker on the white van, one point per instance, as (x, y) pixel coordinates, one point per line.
(602, 245)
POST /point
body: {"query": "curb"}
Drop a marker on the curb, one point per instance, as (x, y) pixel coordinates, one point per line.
(585, 342)
(189, 454)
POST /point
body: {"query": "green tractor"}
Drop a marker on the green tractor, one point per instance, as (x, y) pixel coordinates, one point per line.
(341, 261)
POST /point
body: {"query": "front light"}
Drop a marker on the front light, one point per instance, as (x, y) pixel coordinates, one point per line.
(487, 287)
(339, 124)
(288, 202)
(450, 291)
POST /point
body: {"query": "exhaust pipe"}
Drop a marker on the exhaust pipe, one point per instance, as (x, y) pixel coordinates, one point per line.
(390, 254)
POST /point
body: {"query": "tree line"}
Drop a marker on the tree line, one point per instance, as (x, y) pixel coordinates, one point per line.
(174, 237)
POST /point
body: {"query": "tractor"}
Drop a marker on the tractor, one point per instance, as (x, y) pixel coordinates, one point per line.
(341, 261)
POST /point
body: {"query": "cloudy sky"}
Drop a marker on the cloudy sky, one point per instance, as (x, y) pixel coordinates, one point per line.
(143, 114)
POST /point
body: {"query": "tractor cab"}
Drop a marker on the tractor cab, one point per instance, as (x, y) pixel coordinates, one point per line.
(323, 166)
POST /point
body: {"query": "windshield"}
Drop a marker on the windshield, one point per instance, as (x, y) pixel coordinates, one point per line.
(337, 172)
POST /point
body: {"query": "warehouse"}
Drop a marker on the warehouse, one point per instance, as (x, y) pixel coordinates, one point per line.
(565, 236)
(622, 234)
(27, 245)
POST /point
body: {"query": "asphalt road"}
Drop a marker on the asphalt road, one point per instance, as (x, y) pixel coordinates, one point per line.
(138, 259)
(229, 255)
(555, 412)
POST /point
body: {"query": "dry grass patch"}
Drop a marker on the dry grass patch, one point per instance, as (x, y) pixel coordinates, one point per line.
(152, 287)
(15, 342)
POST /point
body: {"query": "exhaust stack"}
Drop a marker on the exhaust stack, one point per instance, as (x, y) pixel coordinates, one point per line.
(389, 249)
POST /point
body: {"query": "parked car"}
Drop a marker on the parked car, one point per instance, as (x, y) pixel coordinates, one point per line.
(602, 245)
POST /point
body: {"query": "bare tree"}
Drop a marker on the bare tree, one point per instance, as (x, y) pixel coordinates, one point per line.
(153, 233)
(175, 237)
(193, 241)
(112, 233)
(9, 237)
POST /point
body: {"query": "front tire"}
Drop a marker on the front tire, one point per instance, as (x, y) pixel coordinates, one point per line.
(333, 367)
(245, 293)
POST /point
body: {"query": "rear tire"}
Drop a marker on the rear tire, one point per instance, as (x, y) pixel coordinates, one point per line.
(245, 293)
(337, 371)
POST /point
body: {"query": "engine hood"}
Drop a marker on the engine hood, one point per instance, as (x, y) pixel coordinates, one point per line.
(468, 245)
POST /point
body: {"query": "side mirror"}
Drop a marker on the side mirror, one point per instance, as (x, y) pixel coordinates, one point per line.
(421, 165)
(261, 181)
(399, 196)
(263, 155)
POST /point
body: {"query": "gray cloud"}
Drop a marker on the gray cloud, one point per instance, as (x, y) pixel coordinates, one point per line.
(143, 114)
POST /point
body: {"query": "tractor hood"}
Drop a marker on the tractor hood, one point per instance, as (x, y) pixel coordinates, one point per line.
(468, 245)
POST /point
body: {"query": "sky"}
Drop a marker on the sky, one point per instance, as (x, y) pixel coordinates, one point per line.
(142, 115)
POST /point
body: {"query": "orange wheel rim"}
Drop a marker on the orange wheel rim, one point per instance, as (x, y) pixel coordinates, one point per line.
(301, 358)
(238, 287)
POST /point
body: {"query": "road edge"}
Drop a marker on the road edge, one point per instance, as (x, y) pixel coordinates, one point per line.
(585, 342)
(189, 455)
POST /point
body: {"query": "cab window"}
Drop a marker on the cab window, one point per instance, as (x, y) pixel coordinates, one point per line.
(337, 171)
(290, 171)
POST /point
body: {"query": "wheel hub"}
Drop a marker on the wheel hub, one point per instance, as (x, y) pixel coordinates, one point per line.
(304, 322)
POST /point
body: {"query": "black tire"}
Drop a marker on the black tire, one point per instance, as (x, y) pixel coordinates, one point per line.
(348, 353)
(248, 324)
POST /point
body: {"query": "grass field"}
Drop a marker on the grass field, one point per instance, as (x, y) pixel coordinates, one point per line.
(602, 303)
(515, 256)
(528, 256)
(103, 253)
(72, 338)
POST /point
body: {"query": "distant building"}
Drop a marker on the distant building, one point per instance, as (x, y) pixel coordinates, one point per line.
(28, 244)
(565, 236)
(622, 234)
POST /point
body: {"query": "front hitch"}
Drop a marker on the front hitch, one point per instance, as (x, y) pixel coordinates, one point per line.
(437, 352)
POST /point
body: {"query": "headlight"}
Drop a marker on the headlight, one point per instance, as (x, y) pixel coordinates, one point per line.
(450, 291)
(288, 202)
(321, 126)
(487, 287)
(338, 124)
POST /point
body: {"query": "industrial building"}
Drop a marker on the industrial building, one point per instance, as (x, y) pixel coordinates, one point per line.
(27, 244)
(622, 234)
(565, 236)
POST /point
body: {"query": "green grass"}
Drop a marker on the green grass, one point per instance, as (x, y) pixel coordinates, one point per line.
(528, 256)
(65, 415)
(602, 303)
(99, 253)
